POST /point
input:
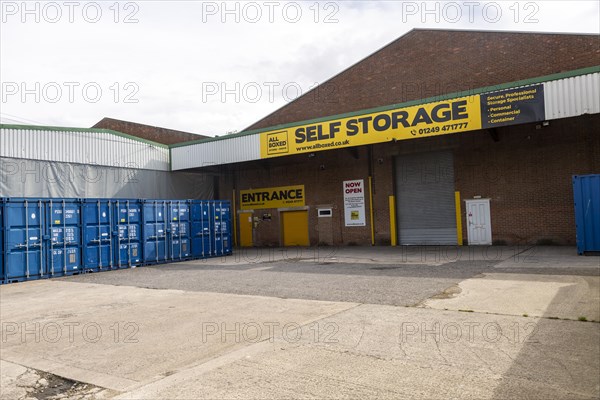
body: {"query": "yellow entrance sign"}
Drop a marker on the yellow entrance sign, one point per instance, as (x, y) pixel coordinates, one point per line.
(439, 118)
(284, 196)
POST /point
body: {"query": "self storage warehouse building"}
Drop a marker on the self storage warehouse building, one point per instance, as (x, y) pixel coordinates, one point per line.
(441, 137)
(438, 138)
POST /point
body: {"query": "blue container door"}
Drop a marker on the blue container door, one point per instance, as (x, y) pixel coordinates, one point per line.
(221, 225)
(179, 230)
(586, 189)
(200, 229)
(24, 226)
(127, 233)
(97, 228)
(63, 252)
(155, 222)
(1, 241)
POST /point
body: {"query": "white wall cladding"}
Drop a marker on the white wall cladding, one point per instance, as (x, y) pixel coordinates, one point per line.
(571, 97)
(217, 152)
(82, 147)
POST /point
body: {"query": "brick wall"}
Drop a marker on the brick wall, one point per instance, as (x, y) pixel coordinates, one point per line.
(428, 63)
(526, 174)
(153, 133)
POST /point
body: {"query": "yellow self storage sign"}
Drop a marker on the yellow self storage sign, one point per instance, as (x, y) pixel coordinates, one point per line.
(439, 118)
(276, 197)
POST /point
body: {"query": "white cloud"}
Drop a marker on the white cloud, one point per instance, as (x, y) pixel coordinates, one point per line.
(177, 49)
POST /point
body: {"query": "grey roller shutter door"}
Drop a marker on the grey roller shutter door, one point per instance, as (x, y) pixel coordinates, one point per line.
(425, 206)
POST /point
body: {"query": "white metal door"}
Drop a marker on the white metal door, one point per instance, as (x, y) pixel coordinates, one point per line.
(479, 224)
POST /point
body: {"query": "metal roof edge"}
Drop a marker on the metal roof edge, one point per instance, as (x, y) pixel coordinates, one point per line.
(502, 86)
(69, 129)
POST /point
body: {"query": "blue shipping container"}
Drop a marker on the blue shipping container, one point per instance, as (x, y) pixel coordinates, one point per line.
(63, 249)
(97, 227)
(127, 233)
(43, 238)
(200, 228)
(586, 190)
(1, 241)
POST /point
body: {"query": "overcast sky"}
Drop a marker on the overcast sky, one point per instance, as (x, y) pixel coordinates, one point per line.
(216, 67)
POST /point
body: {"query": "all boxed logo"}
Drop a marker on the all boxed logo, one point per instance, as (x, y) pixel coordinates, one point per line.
(277, 143)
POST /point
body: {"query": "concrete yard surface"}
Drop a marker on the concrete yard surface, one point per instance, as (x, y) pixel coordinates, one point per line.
(350, 325)
(117, 337)
(552, 296)
(390, 352)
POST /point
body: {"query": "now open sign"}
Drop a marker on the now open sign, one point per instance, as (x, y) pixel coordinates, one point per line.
(354, 202)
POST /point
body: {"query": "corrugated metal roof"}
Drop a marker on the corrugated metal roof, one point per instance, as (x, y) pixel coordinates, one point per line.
(87, 147)
(571, 97)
